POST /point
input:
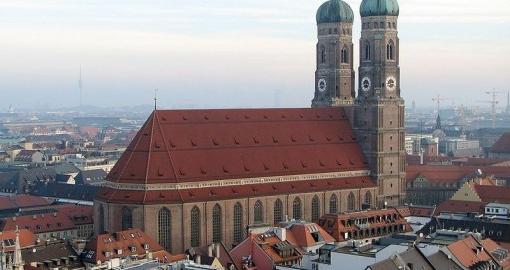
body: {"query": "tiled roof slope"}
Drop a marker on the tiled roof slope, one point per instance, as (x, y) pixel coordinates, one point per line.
(198, 145)
(493, 193)
(22, 201)
(452, 173)
(502, 145)
(124, 244)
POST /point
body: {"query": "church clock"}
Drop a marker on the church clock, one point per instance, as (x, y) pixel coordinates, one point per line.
(366, 83)
(322, 85)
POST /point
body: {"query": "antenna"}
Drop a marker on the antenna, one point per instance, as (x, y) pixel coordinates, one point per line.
(155, 99)
(80, 86)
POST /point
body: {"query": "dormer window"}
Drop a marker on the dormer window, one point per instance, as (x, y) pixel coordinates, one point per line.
(146, 246)
(133, 249)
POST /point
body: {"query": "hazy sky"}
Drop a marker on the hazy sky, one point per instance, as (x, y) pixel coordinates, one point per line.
(231, 53)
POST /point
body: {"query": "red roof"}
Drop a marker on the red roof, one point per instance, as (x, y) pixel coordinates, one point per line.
(41, 223)
(493, 193)
(452, 174)
(26, 239)
(198, 145)
(471, 251)
(22, 201)
(231, 192)
(502, 145)
(378, 220)
(123, 244)
(453, 207)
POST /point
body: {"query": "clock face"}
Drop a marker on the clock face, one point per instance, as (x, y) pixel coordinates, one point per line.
(391, 83)
(322, 85)
(366, 84)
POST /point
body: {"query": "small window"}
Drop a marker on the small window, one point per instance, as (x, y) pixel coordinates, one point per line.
(345, 55)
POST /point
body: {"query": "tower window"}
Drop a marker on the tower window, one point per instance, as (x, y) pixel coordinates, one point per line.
(127, 218)
(390, 50)
(367, 51)
(389, 25)
(336, 31)
(394, 25)
(330, 31)
(322, 52)
(381, 25)
(376, 25)
(345, 56)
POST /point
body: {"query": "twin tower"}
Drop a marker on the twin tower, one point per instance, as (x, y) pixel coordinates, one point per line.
(376, 110)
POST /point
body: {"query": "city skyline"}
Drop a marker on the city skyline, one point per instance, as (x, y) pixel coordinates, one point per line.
(226, 54)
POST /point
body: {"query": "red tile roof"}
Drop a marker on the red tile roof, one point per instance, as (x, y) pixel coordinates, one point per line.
(452, 174)
(22, 201)
(471, 251)
(26, 238)
(197, 145)
(339, 224)
(300, 234)
(231, 192)
(51, 222)
(502, 145)
(453, 207)
(493, 193)
(123, 244)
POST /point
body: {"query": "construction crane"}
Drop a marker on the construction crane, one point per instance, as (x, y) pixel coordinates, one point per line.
(494, 102)
(438, 101)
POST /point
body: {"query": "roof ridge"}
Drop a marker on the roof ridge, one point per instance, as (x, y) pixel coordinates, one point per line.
(154, 119)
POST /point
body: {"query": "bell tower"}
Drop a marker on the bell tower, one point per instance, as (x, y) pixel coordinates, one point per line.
(334, 77)
(379, 113)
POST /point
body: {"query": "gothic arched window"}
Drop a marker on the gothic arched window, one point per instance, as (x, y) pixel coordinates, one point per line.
(316, 210)
(351, 202)
(333, 204)
(344, 56)
(195, 227)
(258, 213)
(216, 224)
(322, 53)
(164, 228)
(127, 218)
(368, 198)
(296, 208)
(278, 211)
(368, 52)
(238, 223)
(101, 219)
(390, 50)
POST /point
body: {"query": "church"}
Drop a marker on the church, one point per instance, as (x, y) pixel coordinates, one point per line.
(195, 177)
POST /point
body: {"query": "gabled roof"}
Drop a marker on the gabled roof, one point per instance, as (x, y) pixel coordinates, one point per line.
(471, 252)
(197, 145)
(90, 177)
(458, 207)
(66, 191)
(502, 145)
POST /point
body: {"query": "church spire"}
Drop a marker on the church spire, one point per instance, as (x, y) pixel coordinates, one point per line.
(17, 261)
(438, 122)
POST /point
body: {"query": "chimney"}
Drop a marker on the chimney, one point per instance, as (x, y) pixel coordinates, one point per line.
(210, 250)
(217, 249)
(198, 259)
(281, 233)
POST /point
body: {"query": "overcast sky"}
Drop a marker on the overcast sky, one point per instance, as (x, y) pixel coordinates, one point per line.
(231, 53)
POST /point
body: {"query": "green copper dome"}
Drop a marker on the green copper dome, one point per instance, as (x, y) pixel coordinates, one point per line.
(379, 8)
(334, 11)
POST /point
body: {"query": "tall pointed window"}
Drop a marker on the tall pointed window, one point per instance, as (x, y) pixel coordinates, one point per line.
(101, 219)
(390, 50)
(351, 202)
(322, 54)
(238, 223)
(316, 210)
(278, 211)
(296, 209)
(216, 224)
(258, 213)
(333, 204)
(195, 227)
(368, 52)
(344, 55)
(368, 199)
(127, 218)
(165, 229)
